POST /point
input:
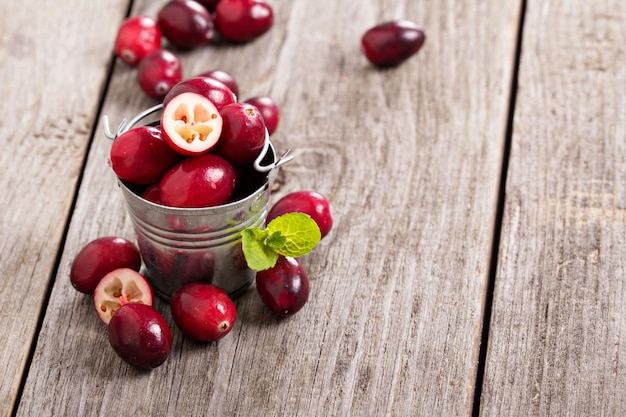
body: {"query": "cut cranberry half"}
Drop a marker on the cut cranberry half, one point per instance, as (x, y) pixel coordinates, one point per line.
(243, 20)
(389, 44)
(191, 124)
(119, 287)
(136, 37)
(158, 72)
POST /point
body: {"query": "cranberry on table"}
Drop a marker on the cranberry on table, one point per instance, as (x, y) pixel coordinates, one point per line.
(312, 203)
(158, 72)
(243, 20)
(284, 288)
(225, 78)
(269, 110)
(214, 90)
(199, 181)
(391, 43)
(119, 287)
(243, 134)
(99, 257)
(141, 156)
(140, 336)
(136, 37)
(186, 23)
(203, 311)
(191, 124)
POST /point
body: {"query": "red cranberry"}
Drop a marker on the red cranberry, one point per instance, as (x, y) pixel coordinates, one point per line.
(269, 110)
(99, 257)
(284, 288)
(158, 72)
(185, 23)
(308, 202)
(203, 311)
(211, 88)
(198, 181)
(140, 335)
(224, 77)
(243, 134)
(152, 194)
(136, 38)
(141, 156)
(243, 20)
(388, 44)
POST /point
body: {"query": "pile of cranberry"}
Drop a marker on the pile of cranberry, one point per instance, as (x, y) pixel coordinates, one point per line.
(199, 154)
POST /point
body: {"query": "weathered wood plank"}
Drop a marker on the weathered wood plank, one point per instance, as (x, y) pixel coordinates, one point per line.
(557, 333)
(52, 70)
(410, 158)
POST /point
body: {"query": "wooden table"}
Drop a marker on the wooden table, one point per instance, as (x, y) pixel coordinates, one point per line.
(477, 261)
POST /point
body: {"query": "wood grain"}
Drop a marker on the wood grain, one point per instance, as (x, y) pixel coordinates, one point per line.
(410, 158)
(53, 71)
(557, 332)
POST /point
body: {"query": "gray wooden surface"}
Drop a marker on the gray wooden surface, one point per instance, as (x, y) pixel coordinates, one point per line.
(411, 159)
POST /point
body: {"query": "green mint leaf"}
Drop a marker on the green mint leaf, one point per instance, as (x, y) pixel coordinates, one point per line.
(300, 232)
(276, 240)
(259, 256)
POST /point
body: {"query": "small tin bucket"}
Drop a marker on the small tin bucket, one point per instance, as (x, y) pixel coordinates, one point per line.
(183, 245)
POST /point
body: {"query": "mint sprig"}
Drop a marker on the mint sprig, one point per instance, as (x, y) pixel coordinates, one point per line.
(292, 234)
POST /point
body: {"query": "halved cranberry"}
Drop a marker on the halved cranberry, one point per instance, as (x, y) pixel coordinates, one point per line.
(118, 287)
(191, 124)
(136, 37)
(243, 20)
(243, 134)
(388, 44)
(198, 181)
(224, 77)
(141, 156)
(269, 110)
(158, 72)
(185, 23)
(214, 90)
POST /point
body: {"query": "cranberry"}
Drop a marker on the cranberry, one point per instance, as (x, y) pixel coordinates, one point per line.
(243, 20)
(203, 311)
(224, 77)
(199, 181)
(243, 134)
(284, 288)
(140, 336)
(136, 37)
(158, 72)
(308, 202)
(185, 23)
(99, 257)
(191, 124)
(211, 88)
(269, 110)
(141, 156)
(388, 44)
(152, 194)
(119, 287)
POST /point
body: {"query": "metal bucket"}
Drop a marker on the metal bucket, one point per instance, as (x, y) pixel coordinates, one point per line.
(184, 245)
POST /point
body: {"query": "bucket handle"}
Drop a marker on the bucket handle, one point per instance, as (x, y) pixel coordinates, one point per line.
(125, 125)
